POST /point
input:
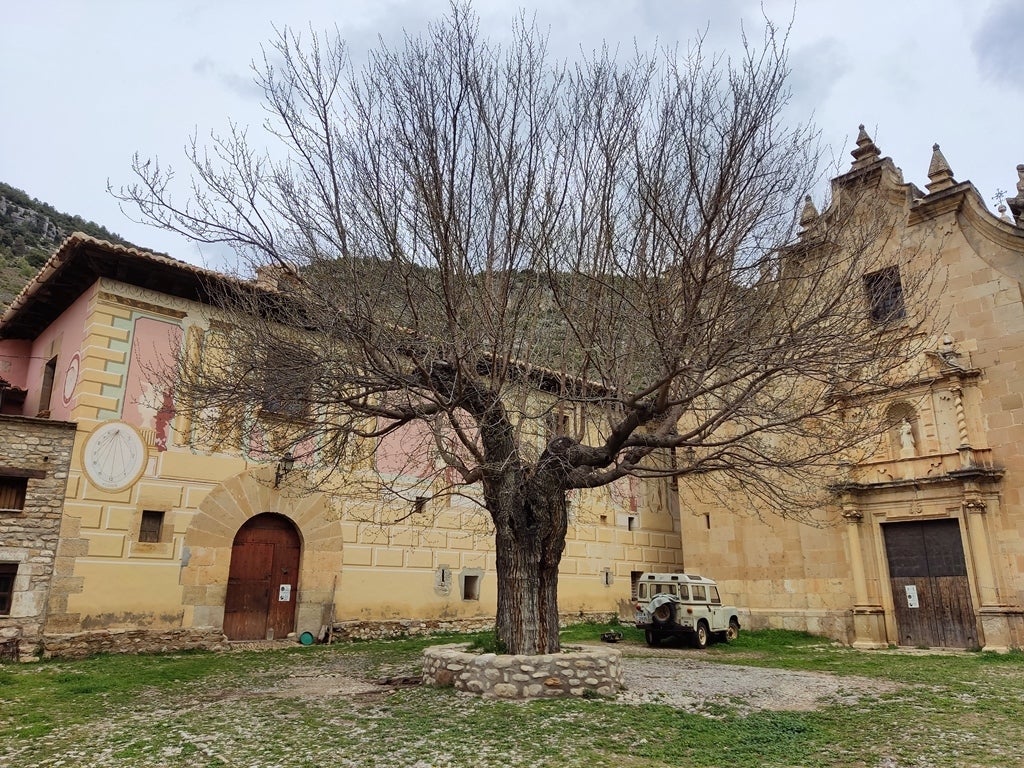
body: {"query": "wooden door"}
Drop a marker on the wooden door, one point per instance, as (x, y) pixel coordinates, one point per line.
(926, 566)
(263, 579)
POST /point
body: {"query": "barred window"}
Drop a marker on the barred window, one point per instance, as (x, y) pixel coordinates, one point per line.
(885, 295)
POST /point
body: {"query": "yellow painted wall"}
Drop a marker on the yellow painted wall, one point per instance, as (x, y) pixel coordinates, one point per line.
(355, 568)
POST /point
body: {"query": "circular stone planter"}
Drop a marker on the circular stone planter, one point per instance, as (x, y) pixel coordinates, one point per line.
(594, 672)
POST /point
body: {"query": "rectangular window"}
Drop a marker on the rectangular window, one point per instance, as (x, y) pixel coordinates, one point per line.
(287, 375)
(7, 573)
(46, 389)
(630, 523)
(885, 295)
(634, 584)
(12, 493)
(700, 594)
(470, 587)
(556, 424)
(714, 596)
(684, 592)
(151, 526)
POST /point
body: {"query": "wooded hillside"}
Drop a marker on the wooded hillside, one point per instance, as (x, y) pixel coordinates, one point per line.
(30, 230)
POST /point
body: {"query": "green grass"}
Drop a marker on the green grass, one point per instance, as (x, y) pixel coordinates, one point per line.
(205, 709)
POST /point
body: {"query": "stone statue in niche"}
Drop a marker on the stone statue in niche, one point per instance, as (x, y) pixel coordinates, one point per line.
(907, 448)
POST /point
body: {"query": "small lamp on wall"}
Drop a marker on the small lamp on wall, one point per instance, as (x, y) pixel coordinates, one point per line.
(284, 465)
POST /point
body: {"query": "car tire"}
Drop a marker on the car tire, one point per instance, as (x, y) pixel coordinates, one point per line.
(733, 631)
(701, 635)
(664, 614)
(653, 638)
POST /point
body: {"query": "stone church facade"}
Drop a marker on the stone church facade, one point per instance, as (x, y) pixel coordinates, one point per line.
(924, 543)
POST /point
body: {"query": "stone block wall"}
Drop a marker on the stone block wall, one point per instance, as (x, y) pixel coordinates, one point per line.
(38, 450)
(78, 645)
(389, 630)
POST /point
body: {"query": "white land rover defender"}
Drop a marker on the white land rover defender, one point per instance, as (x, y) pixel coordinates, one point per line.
(683, 604)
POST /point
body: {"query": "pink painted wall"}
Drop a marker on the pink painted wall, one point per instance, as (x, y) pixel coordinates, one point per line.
(63, 338)
(149, 393)
(407, 451)
(14, 356)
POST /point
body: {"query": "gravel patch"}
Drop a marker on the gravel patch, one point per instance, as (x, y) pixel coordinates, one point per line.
(704, 687)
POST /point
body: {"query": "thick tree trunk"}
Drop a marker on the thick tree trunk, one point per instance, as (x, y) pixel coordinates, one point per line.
(528, 507)
(529, 549)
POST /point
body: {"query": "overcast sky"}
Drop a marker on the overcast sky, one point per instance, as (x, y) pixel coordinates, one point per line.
(86, 84)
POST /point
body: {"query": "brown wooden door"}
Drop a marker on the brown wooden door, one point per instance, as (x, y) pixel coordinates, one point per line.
(264, 560)
(926, 562)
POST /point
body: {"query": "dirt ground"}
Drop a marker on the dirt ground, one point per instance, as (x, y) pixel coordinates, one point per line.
(673, 677)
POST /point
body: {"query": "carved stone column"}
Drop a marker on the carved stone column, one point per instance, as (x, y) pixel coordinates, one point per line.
(853, 518)
(868, 616)
(974, 514)
(964, 449)
(1002, 624)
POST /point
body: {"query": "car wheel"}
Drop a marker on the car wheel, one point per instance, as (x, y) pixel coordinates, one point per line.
(664, 613)
(733, 631)
(653, 638)
(701, 635)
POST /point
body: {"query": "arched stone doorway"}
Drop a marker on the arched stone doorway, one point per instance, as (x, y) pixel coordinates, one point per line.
(263, 579)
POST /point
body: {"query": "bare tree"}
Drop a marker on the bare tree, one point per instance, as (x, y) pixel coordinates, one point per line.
(565, 273)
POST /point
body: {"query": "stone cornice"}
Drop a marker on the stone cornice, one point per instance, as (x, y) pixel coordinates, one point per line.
(958, 476)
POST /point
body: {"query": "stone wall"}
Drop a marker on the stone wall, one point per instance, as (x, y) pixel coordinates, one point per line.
(81, 644)
(596, 672)
(38, 450)
(387, 630)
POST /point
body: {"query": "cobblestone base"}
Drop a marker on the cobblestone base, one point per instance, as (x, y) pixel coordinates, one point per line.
(595, 672)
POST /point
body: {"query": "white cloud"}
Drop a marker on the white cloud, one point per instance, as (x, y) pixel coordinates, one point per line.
(997, 44)
(88, 84)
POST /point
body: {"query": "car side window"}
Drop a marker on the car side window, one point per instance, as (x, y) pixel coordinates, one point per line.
(714, 596)
(699, 594)
(684, 592)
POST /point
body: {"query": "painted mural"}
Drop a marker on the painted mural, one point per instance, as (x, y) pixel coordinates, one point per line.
(148, 395)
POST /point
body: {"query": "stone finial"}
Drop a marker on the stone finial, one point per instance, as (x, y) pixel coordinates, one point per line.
(940, 175)
(1017, 203)
(1004, 215)
(809, 213)
(866, 151)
